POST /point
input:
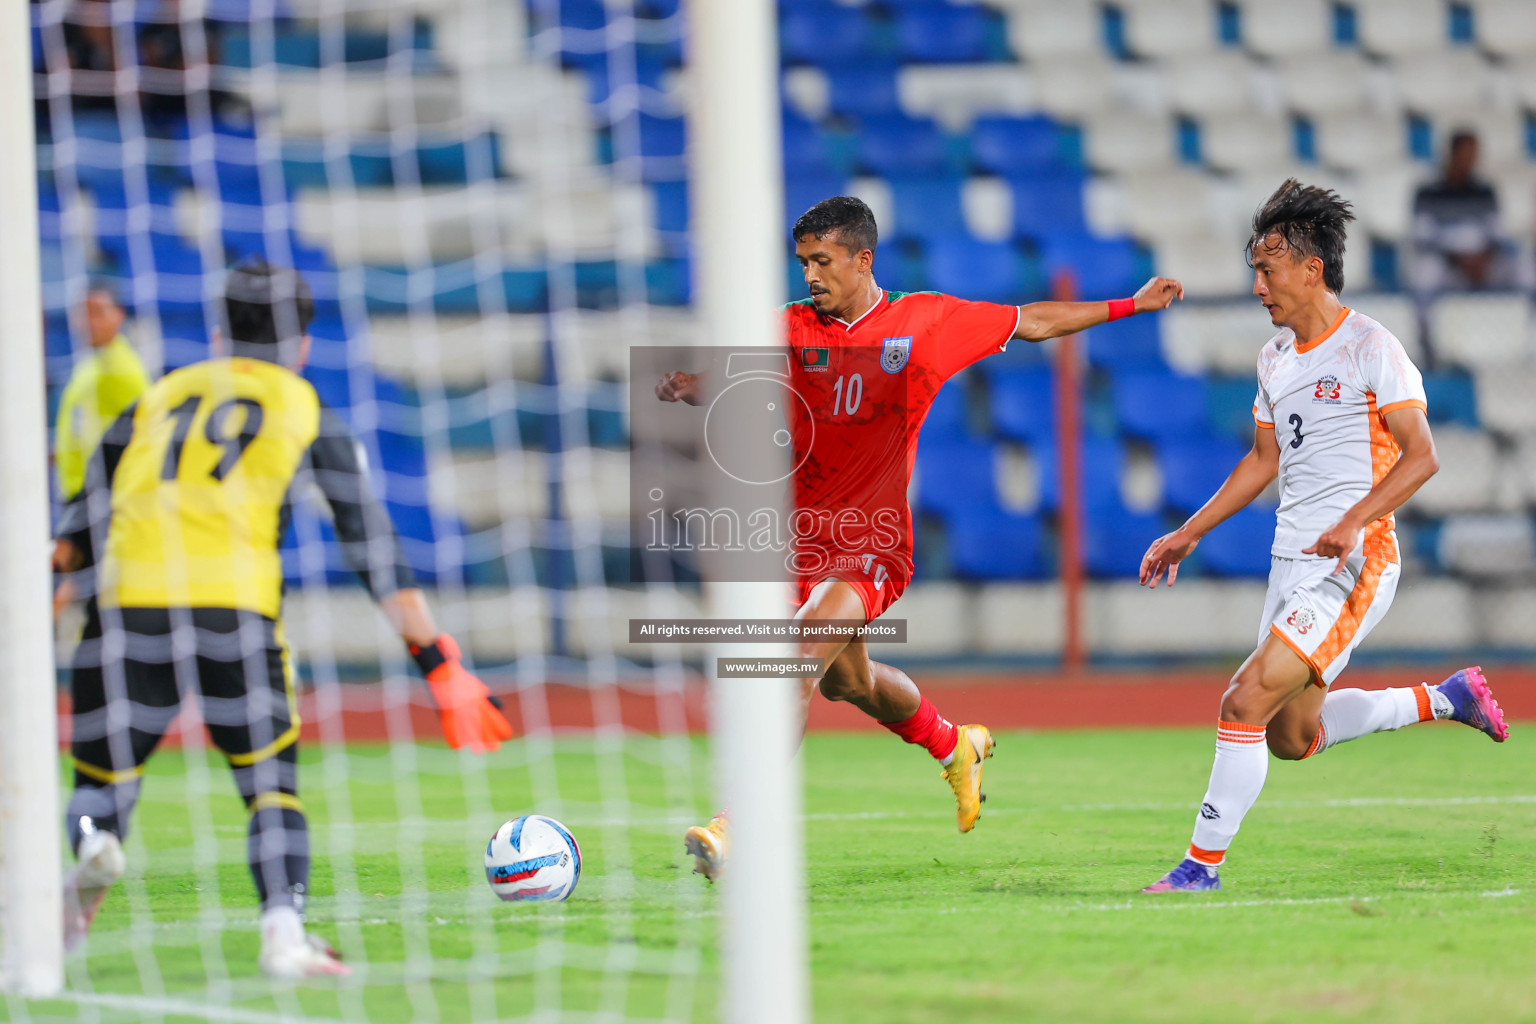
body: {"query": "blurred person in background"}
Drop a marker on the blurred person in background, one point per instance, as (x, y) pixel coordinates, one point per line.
(106, 381)
(1456, 228)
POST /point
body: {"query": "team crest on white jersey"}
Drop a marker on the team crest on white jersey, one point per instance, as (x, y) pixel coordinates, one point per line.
(1328, 391)
(1302, 620)
(893, 354)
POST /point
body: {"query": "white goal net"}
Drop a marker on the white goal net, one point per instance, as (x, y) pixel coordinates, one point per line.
(489, 201)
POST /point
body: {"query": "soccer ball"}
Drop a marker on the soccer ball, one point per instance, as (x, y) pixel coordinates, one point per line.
(533, 859)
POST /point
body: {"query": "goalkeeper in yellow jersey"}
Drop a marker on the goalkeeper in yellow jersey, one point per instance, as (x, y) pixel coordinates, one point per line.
(103, 383)
(184, 505)
(106, 381)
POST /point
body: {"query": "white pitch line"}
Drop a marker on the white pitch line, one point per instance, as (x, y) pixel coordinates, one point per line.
(164, 1006)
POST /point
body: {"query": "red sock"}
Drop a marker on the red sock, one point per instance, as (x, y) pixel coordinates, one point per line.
(927, 729)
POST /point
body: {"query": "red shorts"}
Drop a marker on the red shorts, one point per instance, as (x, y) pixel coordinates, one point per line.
(877, 590)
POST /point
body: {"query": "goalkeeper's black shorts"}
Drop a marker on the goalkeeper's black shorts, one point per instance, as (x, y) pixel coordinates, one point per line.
(134, 664)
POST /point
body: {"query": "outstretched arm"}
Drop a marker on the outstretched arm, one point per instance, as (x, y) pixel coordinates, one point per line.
(1041, 320)
(1245, 483)
(470, 716)
(1417, 464)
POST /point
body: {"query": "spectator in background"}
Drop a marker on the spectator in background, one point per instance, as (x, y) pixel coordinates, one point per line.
(104, 383)
(1455, 228)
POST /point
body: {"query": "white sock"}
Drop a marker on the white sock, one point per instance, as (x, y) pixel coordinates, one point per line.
(1237, 777)
(949, 756)
(1439, 703)
(1349, 714)
(282, 925)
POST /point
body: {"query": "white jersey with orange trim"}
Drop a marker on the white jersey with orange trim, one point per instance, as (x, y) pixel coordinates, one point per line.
(1327, 400)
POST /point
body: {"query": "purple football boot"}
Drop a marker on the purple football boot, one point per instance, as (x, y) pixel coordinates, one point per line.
(1189, 876)
(1472, 703)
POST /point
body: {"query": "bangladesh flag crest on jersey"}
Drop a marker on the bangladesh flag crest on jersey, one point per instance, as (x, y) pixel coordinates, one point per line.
(893, 354)
(814, 359)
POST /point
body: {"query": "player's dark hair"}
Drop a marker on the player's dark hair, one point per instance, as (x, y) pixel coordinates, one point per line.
(103, 286)
(845, 216)
(1311, 221)
(265, 305)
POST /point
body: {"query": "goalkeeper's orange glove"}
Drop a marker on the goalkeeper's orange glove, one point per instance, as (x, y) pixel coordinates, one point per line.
(471, 717)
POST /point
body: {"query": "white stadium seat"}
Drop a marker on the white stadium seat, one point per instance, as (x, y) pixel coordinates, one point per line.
(1517, 201)
(596, 484)
(1469, 478)
(1427, 615)
(1496, 545)
(988, 207)
(486, 489)
(1506, 399)
(342, 623)
(1294, 27)
(1383, 199)
(955, 95)
(1016, 474)
(1170, 28)
(1073, 88)
(1209, 266)
(597, 618)
(1051, 29)
(1506, 27)
(1207, 618)
(1506, 616)
(941, 619)
(1224, 337)
(1442, 81)
(876, 193)
(1359, 142)
(1128, 141)
(1479, 331)
(808, 92)
(1013, 618)
(1246, 142)
(1523, 467)
(1219, 83)
(1394, 27)
(459, 351)
(1327, 82)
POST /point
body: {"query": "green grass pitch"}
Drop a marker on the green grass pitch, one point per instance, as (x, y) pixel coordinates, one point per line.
(1392, 879)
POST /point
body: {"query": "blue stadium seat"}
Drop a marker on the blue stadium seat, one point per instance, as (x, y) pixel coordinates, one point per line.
(948, 418)
(990, 544)
(1115, 539)
(458, 161)
(1103, 459)
(1158, 404)
(1102, 267)
(955, 475)
(942, 32)
(825, 34)
(926, 208)
(662, 136)
(806, 148)
(1134, 343)
(1229, 406)
(1452, 398)
(671, 205)
(648, 72)
(1047, 204)
(989, 271)
(862, 89)
(1018, 146)
(894, 144)
(802, 191)
(1240, 546)
(1023, 404)
(1194, 468)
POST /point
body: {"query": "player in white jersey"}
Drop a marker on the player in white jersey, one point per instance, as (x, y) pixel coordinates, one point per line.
(1340, 418)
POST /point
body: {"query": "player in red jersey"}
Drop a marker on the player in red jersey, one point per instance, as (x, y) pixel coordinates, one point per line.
(868, 364)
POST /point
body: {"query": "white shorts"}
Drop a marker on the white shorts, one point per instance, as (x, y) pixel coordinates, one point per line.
(1323, 617)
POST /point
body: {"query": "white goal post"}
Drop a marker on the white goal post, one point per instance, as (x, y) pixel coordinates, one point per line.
(31, 920)
(738, 258)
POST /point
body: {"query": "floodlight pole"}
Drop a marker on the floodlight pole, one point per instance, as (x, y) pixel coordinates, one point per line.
(32, 962)
(738, 269)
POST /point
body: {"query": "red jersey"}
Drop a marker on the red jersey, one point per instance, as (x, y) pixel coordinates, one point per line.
(867, 387)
